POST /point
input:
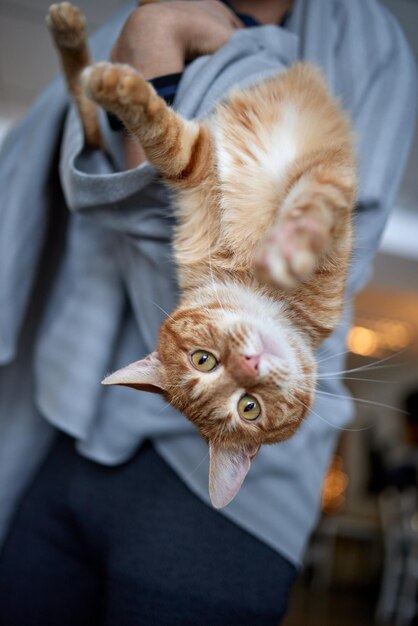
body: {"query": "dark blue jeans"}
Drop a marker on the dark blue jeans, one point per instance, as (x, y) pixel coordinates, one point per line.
(129, 546)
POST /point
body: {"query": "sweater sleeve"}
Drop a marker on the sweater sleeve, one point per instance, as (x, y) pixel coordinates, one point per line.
(384, 114)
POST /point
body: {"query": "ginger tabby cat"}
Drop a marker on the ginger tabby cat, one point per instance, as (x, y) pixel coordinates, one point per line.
(263, 195)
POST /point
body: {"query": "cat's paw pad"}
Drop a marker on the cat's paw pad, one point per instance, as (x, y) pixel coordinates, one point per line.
(67, 25)
(291, 251)
(112, 84)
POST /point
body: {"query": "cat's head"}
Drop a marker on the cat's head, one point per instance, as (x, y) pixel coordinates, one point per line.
(243, 375)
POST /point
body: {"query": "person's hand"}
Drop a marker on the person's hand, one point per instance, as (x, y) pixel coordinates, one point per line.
(159, 38)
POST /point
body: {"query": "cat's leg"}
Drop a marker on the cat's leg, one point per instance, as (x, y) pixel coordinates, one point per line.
(68, 29)
(312, 228)
(178, 148)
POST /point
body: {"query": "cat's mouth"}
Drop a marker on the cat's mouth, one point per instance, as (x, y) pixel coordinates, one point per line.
(272, 339)
(270, 345)
(267, 352)
(274, 369)
(276, 353)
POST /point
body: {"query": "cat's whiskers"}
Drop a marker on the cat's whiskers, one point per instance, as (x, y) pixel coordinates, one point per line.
(356, 399)
(161, 308)
(367, 380)
(198, 465)
(342, 428)
(167, 404)
(332, 356)
(391, 356)
(339, 373)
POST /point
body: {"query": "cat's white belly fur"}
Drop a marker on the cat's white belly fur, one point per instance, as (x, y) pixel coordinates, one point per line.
(276, 148)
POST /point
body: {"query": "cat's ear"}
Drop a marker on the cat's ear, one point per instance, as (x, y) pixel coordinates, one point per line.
(145, 375)
(227, 469)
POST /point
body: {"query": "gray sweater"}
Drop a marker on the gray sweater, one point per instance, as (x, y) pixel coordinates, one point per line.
(115, 275)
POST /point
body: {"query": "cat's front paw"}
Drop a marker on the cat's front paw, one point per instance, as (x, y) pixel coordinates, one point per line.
(291, 251)
(67, 25)
(114, 85)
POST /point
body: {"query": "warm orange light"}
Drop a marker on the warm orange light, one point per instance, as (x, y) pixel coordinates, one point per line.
(334, 486)
(363, 341)
(399, 336)
(379, 337)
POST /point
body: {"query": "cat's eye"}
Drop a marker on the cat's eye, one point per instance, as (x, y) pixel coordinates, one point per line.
(203, 361)
(249, 408)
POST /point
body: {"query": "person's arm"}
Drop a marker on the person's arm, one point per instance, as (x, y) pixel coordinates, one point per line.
(158, 39)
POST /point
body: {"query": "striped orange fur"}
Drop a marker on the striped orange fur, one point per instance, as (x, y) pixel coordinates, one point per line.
(263, 192)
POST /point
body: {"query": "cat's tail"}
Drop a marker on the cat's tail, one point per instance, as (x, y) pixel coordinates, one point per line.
(68, 29)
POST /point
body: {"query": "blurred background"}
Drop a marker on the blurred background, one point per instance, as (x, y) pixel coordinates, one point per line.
(361, 567)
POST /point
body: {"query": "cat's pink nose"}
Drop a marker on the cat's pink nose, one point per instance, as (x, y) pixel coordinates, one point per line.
(249, 364)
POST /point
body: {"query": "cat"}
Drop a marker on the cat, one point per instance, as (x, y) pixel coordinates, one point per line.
(264, 190)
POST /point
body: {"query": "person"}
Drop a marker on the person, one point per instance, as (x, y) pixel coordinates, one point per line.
(104, 508)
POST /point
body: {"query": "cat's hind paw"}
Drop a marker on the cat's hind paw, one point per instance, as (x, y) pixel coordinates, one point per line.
(115, 86)
(291, 251)
(67, 25)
